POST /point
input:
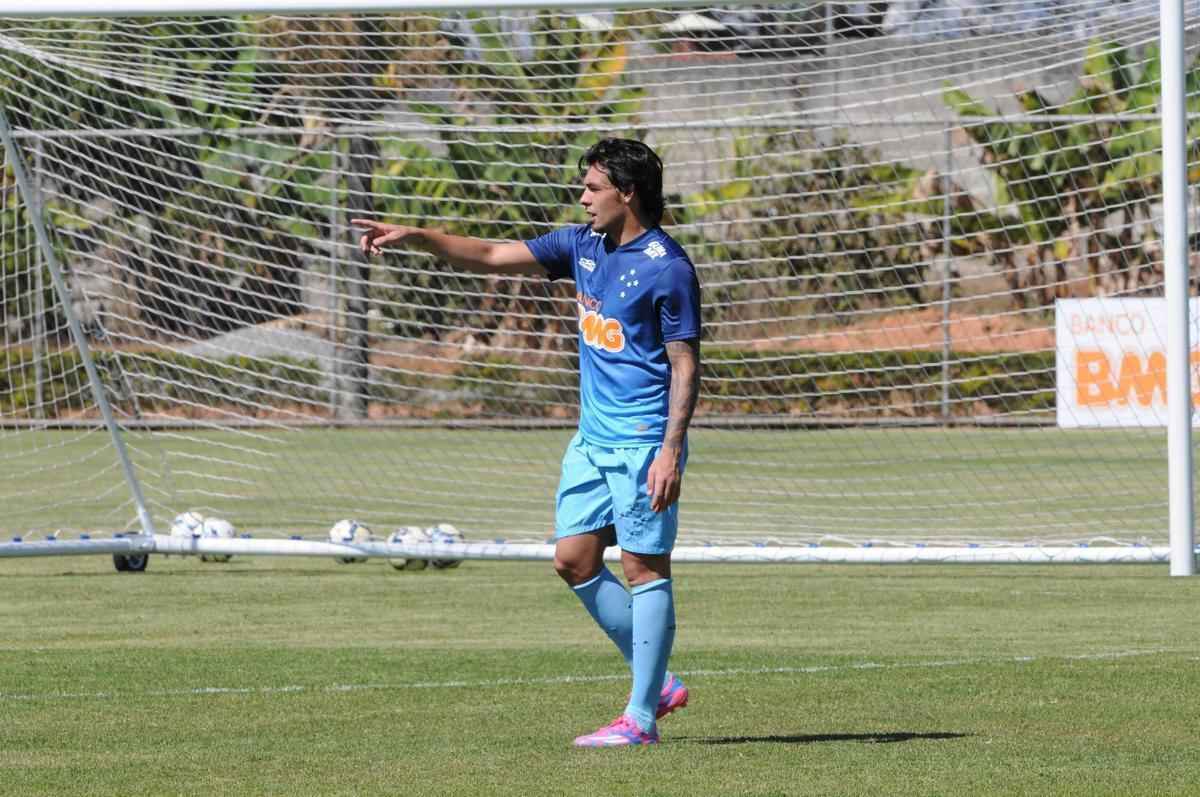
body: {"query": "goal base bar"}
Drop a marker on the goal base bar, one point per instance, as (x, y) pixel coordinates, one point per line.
(502, 551)
(133, 544)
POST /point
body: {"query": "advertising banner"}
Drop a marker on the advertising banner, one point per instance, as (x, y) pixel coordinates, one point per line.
(1112, 361)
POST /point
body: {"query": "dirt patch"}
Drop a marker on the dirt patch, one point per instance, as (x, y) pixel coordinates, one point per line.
(924, 330)
(913, 330)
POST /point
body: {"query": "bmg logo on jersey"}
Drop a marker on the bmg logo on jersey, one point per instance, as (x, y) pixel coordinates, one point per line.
(599, 332)
(655, 250)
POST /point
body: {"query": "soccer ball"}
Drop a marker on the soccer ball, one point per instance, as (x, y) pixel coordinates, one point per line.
(221, 529)
(408, 535)
(446, 534)
(350, 531)
(187, 524)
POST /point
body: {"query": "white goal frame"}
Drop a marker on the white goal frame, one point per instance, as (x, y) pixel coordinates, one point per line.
(1180, 553)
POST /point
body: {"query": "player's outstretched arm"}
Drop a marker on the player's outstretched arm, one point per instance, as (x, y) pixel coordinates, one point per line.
(663, 481)
(469, 254)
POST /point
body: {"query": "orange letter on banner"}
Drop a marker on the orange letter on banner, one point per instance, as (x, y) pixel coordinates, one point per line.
(1142, 383)
(1194, 360)
(1093, 378)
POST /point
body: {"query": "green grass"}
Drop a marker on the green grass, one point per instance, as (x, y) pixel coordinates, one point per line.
(993, 484)
(299, 677)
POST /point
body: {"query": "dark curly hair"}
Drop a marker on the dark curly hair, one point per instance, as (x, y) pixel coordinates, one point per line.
(630, 166)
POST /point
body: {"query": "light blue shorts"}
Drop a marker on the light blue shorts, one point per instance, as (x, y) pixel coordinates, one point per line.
(607, 487)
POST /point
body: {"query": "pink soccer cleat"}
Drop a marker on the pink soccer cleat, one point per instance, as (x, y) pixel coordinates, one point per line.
(621, 732)
(674, 696)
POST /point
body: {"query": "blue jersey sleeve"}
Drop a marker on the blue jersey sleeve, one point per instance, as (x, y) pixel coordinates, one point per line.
(677, 300)
(553, 250)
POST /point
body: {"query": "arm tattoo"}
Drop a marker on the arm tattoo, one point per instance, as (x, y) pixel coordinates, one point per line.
(685, 389)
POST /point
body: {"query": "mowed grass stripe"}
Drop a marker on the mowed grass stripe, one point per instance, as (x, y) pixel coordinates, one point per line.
(693, 676)
(902, 483)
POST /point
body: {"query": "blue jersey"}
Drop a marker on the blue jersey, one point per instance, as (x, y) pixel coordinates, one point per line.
(632, 301)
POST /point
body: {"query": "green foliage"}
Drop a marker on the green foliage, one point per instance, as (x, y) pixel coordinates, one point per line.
(212, 228)
(1062, 179)
(212, 232)
(830, 221)
(498, 385)
(865, 384)
(20, 262)
(850, 385)
(158, 379)
(498, 185)
(18, 385)
(503, 177)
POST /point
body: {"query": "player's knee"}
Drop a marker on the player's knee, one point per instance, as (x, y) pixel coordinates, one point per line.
(644, 568)
(572, 569)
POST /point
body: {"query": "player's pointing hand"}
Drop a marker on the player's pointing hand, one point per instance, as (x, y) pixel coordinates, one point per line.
(379, 235)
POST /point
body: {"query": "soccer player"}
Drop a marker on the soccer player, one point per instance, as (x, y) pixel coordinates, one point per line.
(639, 332)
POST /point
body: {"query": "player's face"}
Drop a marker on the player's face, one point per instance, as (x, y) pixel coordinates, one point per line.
(604, 204)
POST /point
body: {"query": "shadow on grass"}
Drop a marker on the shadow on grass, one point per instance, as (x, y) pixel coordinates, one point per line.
(882, 737)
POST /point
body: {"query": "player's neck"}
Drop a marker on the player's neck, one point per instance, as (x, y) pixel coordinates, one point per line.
(631, 227)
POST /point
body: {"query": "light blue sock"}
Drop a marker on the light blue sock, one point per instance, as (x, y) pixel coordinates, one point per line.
(653, 634)
(607, 601)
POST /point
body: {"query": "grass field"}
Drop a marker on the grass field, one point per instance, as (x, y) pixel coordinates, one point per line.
(299, 677)
(901, 483)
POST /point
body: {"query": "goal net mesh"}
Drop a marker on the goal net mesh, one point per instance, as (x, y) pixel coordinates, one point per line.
(884, 204)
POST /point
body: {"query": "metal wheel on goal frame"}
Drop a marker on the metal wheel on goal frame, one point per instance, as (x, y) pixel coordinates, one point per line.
(131, 562)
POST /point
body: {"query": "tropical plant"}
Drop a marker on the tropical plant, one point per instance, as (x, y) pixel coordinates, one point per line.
(20, 262)
(827, 225)
(214, 227)
(1060, 183)
(515, 182)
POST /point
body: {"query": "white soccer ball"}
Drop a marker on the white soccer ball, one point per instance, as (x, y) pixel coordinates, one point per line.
(220, 529)
(446, 534)
(352, 532)
(187, 524)
(408, 535)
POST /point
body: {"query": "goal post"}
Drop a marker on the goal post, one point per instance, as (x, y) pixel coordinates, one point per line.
(936, 285)
(1180, 479)
(78, 337)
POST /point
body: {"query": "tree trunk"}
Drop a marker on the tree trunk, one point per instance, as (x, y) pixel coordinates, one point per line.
(355, 364)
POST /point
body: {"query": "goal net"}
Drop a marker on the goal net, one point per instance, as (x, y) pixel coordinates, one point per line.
(928, 243)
